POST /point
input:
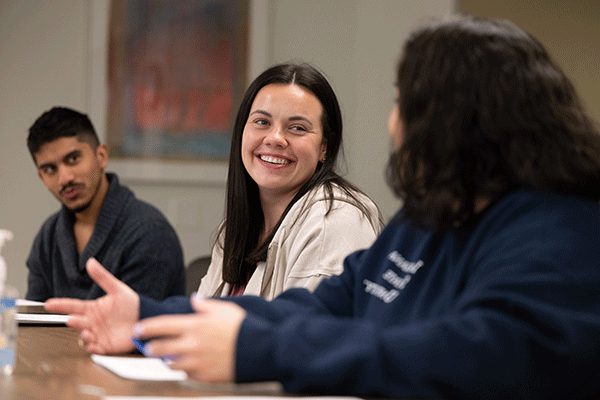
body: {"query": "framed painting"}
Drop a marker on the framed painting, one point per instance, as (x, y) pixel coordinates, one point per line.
(176, 71)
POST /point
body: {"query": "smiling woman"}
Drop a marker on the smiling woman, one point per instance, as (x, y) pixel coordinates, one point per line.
(282, 144)
(447, 297)
(290, 219)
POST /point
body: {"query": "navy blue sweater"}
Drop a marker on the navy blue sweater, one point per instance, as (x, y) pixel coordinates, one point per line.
(131, 238)
(507, 306)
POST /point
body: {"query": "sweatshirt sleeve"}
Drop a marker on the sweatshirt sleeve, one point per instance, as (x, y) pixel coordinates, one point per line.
(173, 305)
(524, 329)
(479, 353)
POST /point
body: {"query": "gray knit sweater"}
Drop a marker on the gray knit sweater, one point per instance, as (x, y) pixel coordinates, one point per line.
(131, 239)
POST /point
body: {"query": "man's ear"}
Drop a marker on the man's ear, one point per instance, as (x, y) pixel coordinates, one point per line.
(102, 155)
(39, 173)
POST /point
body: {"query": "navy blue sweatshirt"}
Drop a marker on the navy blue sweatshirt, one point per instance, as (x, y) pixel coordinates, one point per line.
(507, 306)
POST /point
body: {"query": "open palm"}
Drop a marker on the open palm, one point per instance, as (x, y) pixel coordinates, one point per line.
(107, 322)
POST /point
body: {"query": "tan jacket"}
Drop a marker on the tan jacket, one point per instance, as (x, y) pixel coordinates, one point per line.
(307, 247)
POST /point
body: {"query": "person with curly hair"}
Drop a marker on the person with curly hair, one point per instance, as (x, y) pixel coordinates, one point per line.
(483, 285)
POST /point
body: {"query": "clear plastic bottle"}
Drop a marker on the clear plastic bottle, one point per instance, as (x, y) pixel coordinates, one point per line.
(8, 329)
(8, 311)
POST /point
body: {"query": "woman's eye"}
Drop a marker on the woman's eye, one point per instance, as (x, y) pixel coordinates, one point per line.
(298, 128)
(261, 122)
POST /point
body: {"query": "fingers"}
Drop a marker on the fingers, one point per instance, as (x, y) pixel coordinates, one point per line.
(102, 277)
(95, 348)
(171, 347)
(196, 300)
(164, 325)
(78, 322)
(205, 369)
(172, 325)
(65, 306)
(87, 336)
(92, 345)
(194, 367)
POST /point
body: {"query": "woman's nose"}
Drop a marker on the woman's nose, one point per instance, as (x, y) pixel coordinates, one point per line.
(276, 137)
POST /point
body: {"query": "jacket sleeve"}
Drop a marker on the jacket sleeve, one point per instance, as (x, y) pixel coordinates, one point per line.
(318, 248)
(212, 282)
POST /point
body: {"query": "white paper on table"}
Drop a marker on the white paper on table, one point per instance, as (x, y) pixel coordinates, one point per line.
(24, 302)
(38, 318)
(139, 368)
(41, 318)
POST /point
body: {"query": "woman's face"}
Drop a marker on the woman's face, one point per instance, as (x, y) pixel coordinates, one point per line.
(395, 125)
(283, 140)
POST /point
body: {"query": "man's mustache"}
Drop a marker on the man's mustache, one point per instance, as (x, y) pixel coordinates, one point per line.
(69, 186)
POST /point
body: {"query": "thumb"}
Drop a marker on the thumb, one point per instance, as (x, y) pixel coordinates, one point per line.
(102, 277)
(198, 302)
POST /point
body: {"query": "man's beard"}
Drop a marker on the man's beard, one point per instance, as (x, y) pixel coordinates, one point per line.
(82, 207)
(85, 206)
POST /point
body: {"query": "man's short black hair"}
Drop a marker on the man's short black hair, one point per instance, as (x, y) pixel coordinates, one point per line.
(60, 122)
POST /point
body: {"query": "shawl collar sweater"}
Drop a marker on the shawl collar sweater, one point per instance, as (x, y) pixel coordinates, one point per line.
(131, 238)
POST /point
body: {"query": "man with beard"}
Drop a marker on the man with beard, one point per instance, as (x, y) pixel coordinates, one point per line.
(99, 218)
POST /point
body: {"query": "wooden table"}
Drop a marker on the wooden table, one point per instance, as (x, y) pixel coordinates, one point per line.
(51, 365)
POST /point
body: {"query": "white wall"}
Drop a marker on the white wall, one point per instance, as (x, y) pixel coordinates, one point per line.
(570, 31)
(46, 60)
(42, 63)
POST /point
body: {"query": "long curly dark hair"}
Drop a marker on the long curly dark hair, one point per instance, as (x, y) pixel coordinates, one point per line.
(485, 111)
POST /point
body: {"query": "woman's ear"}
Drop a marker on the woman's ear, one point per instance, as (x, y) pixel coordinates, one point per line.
(323, 154)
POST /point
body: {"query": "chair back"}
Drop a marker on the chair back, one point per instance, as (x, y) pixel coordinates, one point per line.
(194, 272)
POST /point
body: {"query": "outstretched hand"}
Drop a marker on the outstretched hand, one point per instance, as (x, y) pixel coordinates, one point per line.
(203, 344)
(107, 322)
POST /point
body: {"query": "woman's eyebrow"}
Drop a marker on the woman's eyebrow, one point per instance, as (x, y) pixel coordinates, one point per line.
(300, 118)
(261, 112)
